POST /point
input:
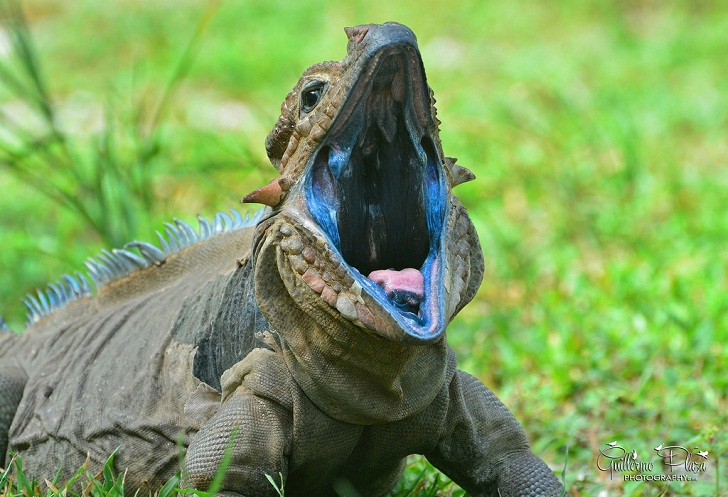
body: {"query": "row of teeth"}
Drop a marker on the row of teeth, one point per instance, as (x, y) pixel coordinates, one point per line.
(328, 277)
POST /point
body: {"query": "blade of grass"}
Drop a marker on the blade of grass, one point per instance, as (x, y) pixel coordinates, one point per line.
(23, 47)
(185, 62)
(106, 191)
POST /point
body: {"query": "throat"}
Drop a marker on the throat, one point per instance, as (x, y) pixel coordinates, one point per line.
(352, 365)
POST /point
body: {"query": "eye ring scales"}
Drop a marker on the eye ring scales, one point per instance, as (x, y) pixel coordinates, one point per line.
(311, 96)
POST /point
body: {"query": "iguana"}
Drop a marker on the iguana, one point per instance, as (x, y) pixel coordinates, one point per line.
(311, 337)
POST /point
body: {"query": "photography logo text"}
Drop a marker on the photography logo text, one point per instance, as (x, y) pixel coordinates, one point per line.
(678, 462)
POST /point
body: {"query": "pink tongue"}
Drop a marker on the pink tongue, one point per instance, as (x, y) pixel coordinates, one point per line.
(408, 280)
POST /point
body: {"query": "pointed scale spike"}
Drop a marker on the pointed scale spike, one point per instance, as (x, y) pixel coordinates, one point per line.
(133, 261)
(194, 235)
(72, 285)
(62, 293)
(112, 263)
(115, 267)
(218, 223)
(166, 249)
(459, 173)
(102, 270)
(55, 297)
(118, 267)
(32, 304)
(45, 307)
(190, 233)
(129, 266)
(51, 299)
(106, 267)
(228, 223)
(27, 304)
(83, 282)
(239, 221)
(271, 194)
(32, 314)
(93, 272)
(182, 237)
(205, 228)
(151, 254)
(172, 236)
(67, 291)
(35, 311)
(126, 264)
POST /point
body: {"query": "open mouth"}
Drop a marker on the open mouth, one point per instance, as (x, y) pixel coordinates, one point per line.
(376, 191)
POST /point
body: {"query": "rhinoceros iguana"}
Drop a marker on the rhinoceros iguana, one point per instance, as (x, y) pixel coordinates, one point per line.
(312, 335)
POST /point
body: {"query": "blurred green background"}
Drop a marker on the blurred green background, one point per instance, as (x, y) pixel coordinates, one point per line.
(598, 132)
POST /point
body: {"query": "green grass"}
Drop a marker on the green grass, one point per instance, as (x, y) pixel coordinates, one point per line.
(105, 483)
(420, 479)
(598, 134)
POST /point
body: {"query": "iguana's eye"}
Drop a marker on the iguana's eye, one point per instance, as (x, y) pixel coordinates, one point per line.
(311, 95)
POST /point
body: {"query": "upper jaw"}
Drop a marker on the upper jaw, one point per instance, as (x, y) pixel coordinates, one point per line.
(375, 192)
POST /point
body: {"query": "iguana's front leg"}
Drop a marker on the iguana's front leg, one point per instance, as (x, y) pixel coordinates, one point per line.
(484, 449)
(256, 415)
(12, 384)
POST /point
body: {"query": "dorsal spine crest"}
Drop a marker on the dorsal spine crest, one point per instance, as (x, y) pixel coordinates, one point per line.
(113, 265)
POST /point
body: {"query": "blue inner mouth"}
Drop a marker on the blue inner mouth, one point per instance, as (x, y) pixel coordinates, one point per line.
(381, 202)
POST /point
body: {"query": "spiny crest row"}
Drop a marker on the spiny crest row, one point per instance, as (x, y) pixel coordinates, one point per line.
(118, 263)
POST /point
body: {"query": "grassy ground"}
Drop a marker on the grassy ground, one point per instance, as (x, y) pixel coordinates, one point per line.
(598, 134)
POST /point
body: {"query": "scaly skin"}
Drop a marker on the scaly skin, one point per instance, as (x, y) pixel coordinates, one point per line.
(273, 337)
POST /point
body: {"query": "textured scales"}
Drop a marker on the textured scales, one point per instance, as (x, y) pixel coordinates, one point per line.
(274, 332)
